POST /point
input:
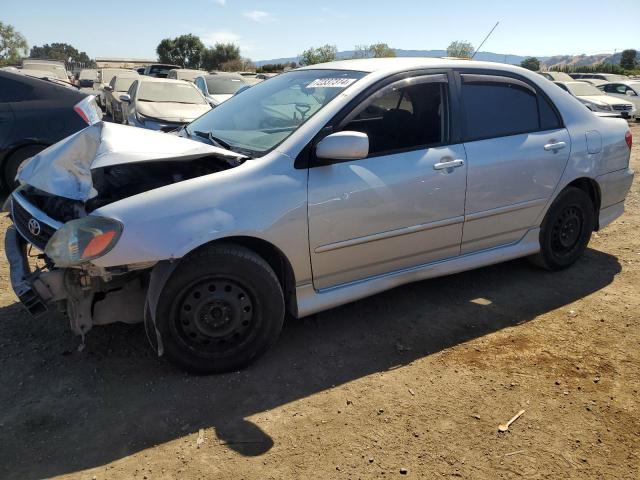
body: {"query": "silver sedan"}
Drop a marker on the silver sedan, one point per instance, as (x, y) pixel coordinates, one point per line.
(316, 188)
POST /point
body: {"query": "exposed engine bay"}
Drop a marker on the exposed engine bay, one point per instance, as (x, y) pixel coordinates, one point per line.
(63, 185)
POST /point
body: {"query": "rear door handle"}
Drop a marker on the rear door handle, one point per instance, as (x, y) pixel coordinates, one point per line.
(554, 146)
(448, 164)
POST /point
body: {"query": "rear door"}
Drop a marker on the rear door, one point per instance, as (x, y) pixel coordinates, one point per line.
(6, 116)
(401, 206)
(517, 150)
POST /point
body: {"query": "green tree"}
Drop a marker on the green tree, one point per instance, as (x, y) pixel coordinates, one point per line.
(12, 44)
(61, 51)
(376, 50)
(381, 50)
(628, 59)
(313, 55)
(184, 50)
(460, 49)
(531, 63)
(219, 54)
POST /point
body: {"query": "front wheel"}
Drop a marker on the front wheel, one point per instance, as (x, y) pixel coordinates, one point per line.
(566, 230)
(220, 310)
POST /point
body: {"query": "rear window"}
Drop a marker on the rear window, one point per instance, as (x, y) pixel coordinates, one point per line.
(123, 84)
(496, 106)
(223, 86)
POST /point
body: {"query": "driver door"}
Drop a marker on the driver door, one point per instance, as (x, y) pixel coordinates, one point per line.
(401, 206)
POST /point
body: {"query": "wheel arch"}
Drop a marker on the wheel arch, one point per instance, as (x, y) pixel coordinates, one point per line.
(591, 188)
(276, 259)
(12, 150)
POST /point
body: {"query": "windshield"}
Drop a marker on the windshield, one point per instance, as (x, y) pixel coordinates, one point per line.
(169, 92)
(223, 85)
(263, 116)
(583, 89)
(123, 83)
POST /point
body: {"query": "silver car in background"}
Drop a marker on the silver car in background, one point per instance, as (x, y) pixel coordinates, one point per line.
(184, 74)
(219, 87)
(628, 90)
(318, 187)
(162, 104)
(104, 78)
(119, 85)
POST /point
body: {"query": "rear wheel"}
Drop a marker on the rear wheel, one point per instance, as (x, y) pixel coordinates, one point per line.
(12, 164)
(566, 230)
(221, 309)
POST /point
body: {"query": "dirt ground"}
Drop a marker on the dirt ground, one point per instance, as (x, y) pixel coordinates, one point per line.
(411, 383)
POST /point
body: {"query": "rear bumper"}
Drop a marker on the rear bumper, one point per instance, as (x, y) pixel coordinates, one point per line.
(614, 187)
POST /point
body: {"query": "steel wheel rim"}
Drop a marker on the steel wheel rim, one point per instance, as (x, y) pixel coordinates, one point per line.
(215, 316)
(567, 231)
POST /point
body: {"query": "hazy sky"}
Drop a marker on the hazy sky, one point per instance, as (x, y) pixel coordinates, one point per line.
(268, 29)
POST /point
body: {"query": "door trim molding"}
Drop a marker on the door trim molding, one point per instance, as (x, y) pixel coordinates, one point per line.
(389, 234)
(506, 209)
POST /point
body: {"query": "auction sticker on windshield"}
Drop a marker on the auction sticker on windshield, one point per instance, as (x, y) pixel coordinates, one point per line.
(331, 82)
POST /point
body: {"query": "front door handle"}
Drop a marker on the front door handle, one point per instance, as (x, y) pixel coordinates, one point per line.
(448, 164)
(554, 146)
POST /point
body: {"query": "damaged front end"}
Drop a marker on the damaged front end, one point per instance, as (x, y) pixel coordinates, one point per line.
(55, 235)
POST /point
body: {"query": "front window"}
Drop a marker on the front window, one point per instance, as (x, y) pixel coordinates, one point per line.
(263, 116)
(169, 92)
(583, 89)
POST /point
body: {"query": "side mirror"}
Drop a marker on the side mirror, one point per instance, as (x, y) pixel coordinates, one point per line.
(109, 88)
(343, 146)
(125, 98)
(631, 93)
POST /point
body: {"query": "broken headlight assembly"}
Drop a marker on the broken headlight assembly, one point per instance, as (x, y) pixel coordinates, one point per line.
(82, 240)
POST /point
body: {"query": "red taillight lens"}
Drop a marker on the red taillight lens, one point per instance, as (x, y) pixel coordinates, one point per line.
(83, 115)
(629, 139)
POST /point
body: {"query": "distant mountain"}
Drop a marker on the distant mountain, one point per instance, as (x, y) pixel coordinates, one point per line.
(556, 60)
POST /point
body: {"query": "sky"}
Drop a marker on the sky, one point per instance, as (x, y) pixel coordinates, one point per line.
(267, 29)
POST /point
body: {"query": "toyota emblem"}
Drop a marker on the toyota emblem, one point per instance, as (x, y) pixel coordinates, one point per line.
(34, 227)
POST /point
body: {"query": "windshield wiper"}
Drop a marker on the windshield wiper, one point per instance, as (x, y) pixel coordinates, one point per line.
(216, 142)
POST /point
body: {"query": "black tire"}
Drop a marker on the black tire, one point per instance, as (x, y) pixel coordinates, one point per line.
(14, 161)
(220, 310)
(566, 230)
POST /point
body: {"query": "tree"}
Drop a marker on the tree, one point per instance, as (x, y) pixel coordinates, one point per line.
(531, 63)
(61, 51)
(185, 50)
(628, 59)
(238, 65)
(381, 50)
(219, 54)
(326, 53)
(12, 44)
(460, 49)
(376, 50)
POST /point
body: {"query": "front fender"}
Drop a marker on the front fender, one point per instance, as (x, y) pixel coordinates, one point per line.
(264, 198)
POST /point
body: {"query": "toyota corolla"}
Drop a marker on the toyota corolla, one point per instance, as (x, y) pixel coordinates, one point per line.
(322, 186)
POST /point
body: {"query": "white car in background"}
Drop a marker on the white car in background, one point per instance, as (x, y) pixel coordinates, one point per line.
(162, 104)
(218, 87)
(118, 85)
(185, 74)
(628, 90)
(557, 76)
(597, 101)
(45, 68)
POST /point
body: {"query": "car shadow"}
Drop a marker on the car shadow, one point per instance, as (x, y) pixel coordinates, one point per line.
(62, 410)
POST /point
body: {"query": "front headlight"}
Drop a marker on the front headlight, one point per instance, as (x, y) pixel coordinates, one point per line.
(599, 107)
(81, 240)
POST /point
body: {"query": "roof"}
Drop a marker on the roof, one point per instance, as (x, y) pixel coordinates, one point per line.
(397, 64)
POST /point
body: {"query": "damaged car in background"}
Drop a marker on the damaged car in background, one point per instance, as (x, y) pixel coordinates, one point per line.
(316, 188)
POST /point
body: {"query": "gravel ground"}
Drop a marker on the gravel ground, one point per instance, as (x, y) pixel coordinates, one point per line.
(411, 383)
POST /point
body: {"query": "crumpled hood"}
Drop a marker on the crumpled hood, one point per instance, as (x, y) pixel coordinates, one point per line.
(64, 169)
(171, 111)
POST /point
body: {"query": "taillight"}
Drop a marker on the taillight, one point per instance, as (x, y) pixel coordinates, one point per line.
(629, 139)
(88, 110)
